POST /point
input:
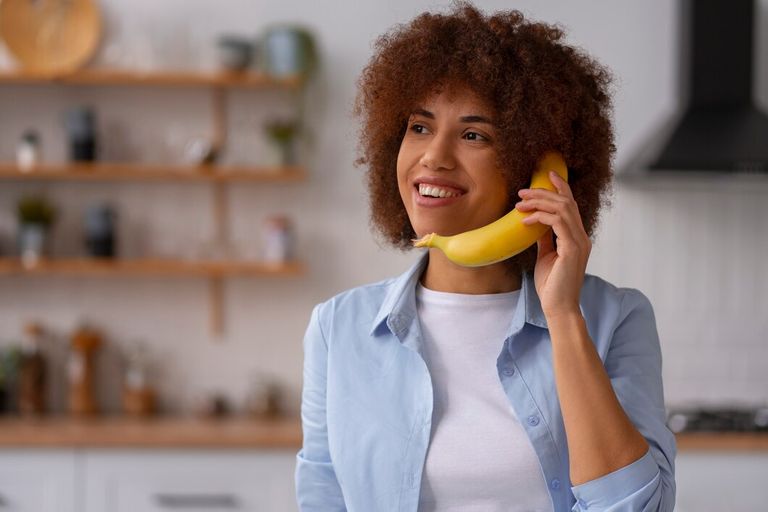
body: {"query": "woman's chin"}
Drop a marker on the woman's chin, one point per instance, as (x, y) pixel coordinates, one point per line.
(440, 230)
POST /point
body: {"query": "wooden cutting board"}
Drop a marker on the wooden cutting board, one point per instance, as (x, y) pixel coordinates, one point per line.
(50, 36)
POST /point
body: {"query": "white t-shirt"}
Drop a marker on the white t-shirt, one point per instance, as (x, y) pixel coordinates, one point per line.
(479, 457)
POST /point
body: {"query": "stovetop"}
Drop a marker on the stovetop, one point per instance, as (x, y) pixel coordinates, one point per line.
(718, 419)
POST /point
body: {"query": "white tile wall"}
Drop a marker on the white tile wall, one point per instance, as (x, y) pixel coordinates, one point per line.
(698, 252)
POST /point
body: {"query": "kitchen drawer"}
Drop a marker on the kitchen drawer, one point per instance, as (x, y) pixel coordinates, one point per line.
(38, 481)
(199, 481)
(724, 480)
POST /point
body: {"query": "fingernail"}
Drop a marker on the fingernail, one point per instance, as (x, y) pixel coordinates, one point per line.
(553, 174)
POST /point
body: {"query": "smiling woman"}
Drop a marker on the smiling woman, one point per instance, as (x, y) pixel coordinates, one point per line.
(515, 383)
(533, 92)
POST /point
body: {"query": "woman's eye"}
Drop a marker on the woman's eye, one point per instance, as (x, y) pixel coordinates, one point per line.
(475, 135)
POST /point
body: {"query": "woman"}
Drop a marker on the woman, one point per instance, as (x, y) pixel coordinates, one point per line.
(517, 386)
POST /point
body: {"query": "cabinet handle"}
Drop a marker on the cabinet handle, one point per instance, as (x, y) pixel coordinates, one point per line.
(182, 501)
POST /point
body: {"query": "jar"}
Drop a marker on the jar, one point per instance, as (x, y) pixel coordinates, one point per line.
(138, 396)
(28, 151)
(277, 239)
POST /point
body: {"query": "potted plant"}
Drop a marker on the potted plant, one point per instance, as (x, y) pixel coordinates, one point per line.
(35, 215)
(283, 133)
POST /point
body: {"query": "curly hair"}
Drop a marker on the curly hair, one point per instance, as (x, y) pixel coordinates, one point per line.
(544, 94)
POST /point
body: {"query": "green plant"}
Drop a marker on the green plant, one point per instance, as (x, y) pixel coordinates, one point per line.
(35, 209)
(281, 131)
(311, 56)
(9, 362)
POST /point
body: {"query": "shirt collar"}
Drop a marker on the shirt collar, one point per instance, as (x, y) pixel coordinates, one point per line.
(398, 309)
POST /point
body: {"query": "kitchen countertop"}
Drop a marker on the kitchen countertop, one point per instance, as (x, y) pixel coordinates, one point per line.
(160, 432)
(237, 432)
(728, 441)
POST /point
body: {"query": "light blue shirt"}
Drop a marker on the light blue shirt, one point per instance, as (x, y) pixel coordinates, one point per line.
(367, 398)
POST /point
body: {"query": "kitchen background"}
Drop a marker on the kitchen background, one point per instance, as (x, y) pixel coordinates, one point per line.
(693, 246)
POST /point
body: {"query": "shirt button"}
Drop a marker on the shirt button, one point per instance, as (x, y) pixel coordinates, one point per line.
(583, 504)
(533, 420)
(509, 371)
(555, 484)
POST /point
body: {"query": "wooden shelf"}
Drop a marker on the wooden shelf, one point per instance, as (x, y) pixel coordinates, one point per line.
(124, 171)
(150, 267)
(119, 77)
(158, 432)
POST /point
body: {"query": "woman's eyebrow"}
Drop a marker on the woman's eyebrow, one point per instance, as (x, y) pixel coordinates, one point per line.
(463, 119)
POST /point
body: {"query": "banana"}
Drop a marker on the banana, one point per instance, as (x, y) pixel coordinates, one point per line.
(504, 237)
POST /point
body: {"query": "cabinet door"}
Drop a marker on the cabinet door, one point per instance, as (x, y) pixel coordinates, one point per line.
(732, 481)
(37, 481)
(199, 481)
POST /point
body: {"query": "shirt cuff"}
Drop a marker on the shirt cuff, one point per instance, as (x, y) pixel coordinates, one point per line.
(618, 485)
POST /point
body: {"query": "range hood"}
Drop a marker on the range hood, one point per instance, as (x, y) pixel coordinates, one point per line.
(721, 128)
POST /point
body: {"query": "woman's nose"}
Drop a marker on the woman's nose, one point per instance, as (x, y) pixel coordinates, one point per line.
(438, 154)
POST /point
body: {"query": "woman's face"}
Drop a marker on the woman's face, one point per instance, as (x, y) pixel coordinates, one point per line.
(449, 150)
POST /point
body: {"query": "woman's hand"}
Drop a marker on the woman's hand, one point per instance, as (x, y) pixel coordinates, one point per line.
(559, 273)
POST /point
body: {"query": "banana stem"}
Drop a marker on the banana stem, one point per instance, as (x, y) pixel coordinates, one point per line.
(425, 241)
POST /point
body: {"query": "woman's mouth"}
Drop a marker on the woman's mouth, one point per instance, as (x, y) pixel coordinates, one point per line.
(432, 195)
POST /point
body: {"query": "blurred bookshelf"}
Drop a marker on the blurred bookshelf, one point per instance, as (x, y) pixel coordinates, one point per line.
(216, 174)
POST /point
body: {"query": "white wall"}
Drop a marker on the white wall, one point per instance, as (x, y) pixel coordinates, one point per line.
(693, 250)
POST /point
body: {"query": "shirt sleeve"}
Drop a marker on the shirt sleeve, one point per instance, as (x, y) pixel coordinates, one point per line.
(317, 488)
(633, 363)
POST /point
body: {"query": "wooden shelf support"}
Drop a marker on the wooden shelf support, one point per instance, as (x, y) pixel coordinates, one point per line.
(220, 212)
(219, 111)
(216, 299)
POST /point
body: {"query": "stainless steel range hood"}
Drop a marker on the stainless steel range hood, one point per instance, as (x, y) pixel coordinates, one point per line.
(721, 130)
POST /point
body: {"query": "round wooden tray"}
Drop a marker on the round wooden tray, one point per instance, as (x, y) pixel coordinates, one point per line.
(50, 36)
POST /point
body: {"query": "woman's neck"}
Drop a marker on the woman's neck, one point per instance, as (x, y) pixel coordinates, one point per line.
(443, 275)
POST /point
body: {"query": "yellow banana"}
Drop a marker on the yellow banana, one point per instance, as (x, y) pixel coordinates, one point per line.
(504, 237)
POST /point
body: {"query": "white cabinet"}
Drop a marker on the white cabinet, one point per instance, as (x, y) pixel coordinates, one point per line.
(159, 481)
(177, 480)
(38, 481)
(732, 481)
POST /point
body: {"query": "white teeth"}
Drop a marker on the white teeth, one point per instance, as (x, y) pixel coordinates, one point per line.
(426, 190)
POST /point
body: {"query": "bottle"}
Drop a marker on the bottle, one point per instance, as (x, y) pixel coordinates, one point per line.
(81, 129)
(32, 372)
(81, 371)
(100, 230)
